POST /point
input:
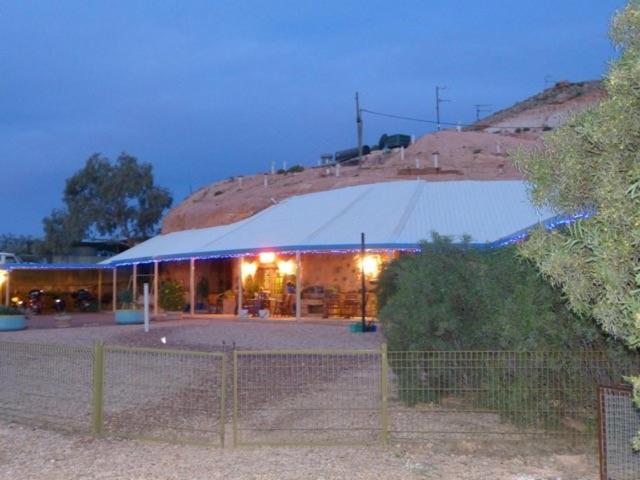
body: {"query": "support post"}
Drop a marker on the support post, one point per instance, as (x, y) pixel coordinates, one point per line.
(134, 286)
(234, 412)
(298, 287)
(156, 295)
(99, 290)
(114, 289)
(7, 289)
(98, 384)
(384, 394)
(145, 290)
(241, 262)
(192, 286)
(223, 398)
(363, 284)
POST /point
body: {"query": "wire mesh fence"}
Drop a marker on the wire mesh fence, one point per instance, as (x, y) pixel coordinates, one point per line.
(619, 423)
(164, 394)
(497, 393)
(307, 397)
(46, 385)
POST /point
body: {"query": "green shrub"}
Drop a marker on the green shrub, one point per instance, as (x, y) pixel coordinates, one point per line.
(202, 288)
(296, 169)
(455, 297)
(125, 299)
(171, 295)
(4, 310)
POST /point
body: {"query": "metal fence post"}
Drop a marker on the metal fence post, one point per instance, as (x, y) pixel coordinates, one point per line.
(223, 397)
(384, 393)
(235, 399)
(98, 384)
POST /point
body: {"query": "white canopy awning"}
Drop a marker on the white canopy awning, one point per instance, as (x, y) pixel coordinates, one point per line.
(393, 215)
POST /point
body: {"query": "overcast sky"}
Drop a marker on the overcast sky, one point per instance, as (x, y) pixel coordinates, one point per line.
(209, 89)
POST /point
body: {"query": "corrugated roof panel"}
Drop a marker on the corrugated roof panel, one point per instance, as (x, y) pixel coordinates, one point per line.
(390, 214)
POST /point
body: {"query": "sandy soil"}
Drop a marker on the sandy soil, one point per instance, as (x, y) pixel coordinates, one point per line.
(39, 454)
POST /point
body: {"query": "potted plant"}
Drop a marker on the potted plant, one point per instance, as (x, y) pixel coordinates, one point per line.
(127, 313)
(171, 297)
(229, 302)
(11, 319)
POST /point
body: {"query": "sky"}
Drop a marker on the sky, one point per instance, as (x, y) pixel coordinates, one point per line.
(205, 90)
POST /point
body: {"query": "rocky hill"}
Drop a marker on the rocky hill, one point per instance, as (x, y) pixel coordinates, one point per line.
(477, 153)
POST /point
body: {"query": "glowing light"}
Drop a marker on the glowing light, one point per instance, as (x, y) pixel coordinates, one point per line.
(370, 265)
(163, 339)
(248, 269)
(3, 276)
(267, 257)
(287, 267)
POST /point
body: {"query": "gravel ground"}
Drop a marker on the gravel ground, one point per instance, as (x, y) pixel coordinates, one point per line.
(35, 454)
(208, 334)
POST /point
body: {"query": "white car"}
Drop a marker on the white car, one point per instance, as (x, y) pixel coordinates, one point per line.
(6, 257)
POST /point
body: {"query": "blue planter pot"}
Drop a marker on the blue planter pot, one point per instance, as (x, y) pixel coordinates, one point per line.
(12, 322)
(128, 317)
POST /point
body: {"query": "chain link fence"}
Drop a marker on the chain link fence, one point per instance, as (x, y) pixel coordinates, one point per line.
(47, 385)
(619, 423)
(305, 397)
(164, 395)
(497, 393)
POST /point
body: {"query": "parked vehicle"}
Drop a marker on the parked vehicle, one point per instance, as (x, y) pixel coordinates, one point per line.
(59, 305)
(35, 301)
(6, 257)
(84, 300)
(350, 155)
(397, 140)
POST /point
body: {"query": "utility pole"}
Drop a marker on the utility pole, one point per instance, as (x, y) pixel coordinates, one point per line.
(359, 128)
(481, 108)
(438, 102)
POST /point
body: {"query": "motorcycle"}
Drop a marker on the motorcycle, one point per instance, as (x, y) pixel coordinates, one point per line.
(35, 301)
(59, 305)
(84, 300)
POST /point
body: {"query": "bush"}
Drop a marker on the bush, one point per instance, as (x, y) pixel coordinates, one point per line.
(455, 297)
(171, 296)
(296, 169)
(125, 299)
(4, 310)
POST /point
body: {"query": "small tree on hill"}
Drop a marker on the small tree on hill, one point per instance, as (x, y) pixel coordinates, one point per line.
(592, 164)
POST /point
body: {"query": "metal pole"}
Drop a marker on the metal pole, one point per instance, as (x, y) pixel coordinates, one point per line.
(438, 107)
(240, 262)
(359, 128)
(192, 289)
(156, 269)
(363, 286)
(298, 287)
(135, 285)
(114, 288)
(99, 290)
(98, 385)
(145, 290)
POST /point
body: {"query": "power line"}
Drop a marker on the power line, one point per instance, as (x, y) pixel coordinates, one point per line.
(434, 122)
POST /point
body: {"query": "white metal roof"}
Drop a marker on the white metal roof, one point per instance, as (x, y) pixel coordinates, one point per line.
(391, 214)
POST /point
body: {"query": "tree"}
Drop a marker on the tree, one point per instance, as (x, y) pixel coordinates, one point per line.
(24, 246)
(118, 200)
(591, 165)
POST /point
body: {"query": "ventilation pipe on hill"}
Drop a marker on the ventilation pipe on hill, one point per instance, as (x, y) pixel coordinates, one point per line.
(436, 159)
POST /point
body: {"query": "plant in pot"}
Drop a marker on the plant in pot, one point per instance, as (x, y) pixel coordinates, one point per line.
(11, 319)
(171, 297)
(127, 313)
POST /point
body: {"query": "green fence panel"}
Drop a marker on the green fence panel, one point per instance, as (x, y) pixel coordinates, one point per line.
(47, 385)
